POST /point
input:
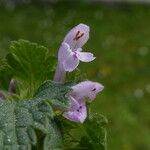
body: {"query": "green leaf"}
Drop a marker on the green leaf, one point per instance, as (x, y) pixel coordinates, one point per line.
(31, 63)
(87, 136)
(19, 121)
(53, 140)
(55, 92)
(95, 133)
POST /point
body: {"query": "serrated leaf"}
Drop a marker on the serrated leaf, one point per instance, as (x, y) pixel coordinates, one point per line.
(55, 92)
(87, 136)
(31, 63)
(54, 140)
(96, 133)
(18, 121)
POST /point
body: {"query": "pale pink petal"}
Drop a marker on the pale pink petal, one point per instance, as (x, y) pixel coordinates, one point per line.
(77, 36)
(85, 57)
(71, 62)
(77, 115)
(64, 52)
(86, 89)
(12, 86)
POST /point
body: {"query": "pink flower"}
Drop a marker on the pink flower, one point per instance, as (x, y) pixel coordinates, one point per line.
(77, 36)
(70, 59)
(2, 97)
(69, 54)
(81, 91)
(77, 112)
(87, 89)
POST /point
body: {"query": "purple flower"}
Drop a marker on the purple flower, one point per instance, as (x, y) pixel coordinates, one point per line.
(2, 97)
(77, 97)
(77, 112)
(77, 36)
(69, 54)
(70, 59)
(12, 87)
(87, 89)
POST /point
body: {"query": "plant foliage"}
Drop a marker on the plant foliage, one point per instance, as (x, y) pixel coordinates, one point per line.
(32, 122)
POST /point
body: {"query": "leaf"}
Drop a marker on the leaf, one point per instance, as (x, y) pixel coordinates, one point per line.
(55, 92)
(5, 74)
(30, 63)
(19, 121)
(87, 136)
(53, 140)
(96, 133)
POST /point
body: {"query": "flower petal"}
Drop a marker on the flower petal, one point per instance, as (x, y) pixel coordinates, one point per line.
(2, 97)
(64, 52)
(71, 62)
(77, 36)
(77, 115)
(86, 89)
(85, 57)
(12, 86)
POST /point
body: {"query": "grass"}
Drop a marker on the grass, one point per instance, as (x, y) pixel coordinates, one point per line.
(120, 39)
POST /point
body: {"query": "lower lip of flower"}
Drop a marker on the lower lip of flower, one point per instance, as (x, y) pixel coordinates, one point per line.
(74, 56)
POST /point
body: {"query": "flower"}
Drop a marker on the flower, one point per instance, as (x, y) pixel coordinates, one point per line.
(69, 54)
(87, 89)
(77, 36)
(77, 112)
(2, 97)
(77, 97)
(70, 59)
(12, 87)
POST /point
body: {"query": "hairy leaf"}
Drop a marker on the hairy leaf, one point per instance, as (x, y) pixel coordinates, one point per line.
(55, 92)
(87, 136)
(96, 133)
(18, 121)
(31, 63)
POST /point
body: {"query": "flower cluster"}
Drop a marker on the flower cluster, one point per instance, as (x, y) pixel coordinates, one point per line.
(69, 55)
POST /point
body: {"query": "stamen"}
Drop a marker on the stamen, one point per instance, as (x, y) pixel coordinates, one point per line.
(94, 89)
(78, 35)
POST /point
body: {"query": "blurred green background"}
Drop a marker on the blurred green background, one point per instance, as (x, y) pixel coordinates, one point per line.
(119, 38)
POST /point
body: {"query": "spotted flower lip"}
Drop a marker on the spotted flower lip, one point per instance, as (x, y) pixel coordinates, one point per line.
(77, 36)
(81, 91)
(70, 59)
(77, 112)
